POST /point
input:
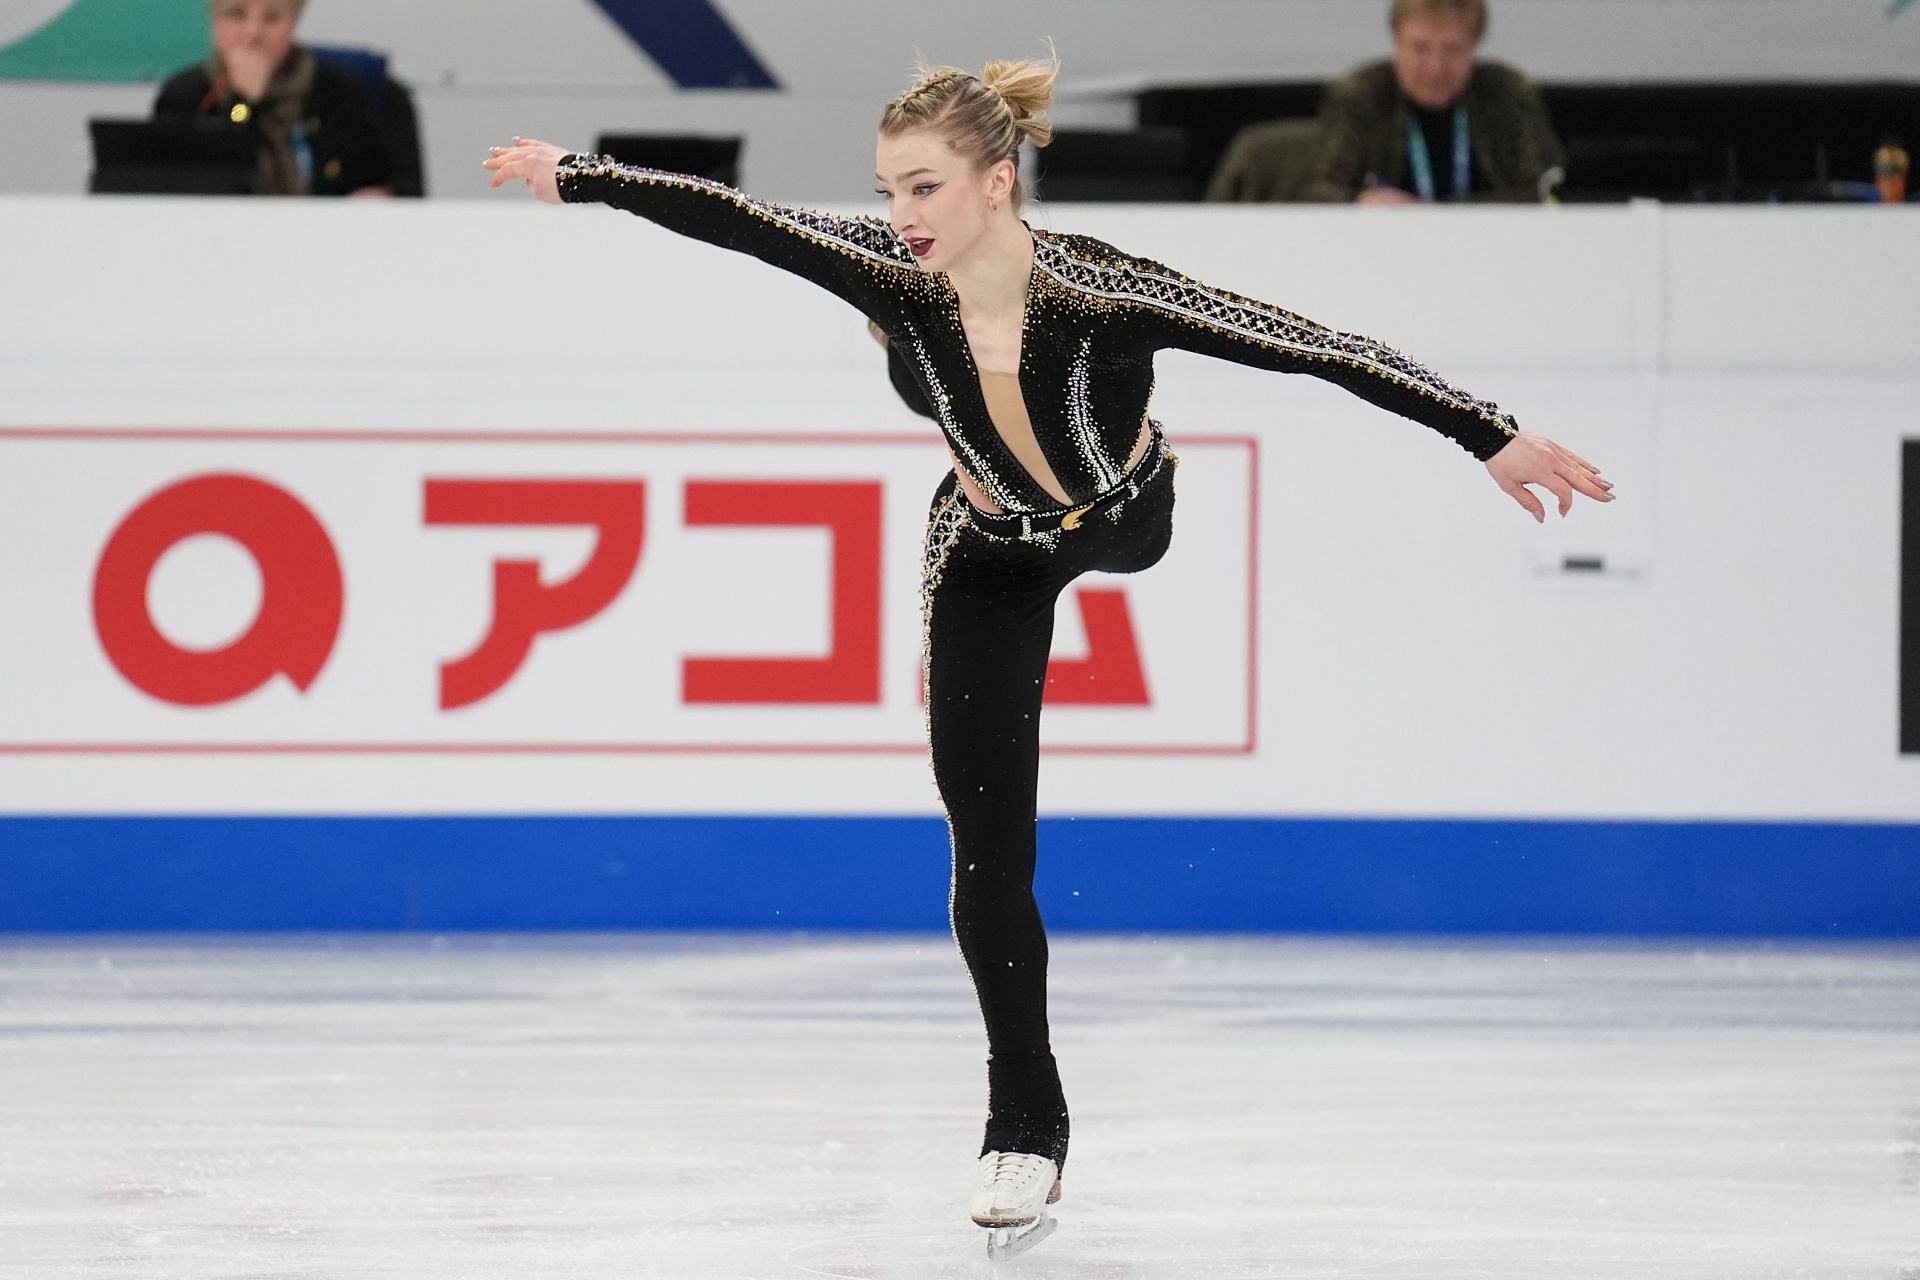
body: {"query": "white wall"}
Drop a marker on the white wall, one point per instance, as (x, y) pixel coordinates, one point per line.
(488, 69)
(1745, 376)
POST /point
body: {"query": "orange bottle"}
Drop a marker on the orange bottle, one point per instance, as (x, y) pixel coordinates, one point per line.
(1890, 165)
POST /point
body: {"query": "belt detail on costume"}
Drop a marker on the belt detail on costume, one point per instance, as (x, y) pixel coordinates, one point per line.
(1030, 526)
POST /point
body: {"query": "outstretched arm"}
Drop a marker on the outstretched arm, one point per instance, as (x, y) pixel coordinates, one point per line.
(852, 257)
(1182, 313)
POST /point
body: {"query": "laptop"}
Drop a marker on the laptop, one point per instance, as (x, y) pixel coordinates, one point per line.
(172, 156)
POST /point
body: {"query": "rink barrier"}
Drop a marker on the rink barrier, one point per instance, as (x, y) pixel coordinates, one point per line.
(1492, 877)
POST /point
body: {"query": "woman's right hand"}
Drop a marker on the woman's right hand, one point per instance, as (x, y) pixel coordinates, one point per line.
(1386, 195)
(1530, 459)
(531, 162)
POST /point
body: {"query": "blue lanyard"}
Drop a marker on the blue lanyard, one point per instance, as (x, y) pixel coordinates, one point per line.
(1421, 161)
(303, 156)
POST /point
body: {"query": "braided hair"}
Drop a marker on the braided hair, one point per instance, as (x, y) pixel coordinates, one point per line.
(984, 117)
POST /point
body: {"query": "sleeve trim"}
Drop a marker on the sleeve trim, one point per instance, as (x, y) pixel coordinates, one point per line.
(1188, 300)
(878, 244)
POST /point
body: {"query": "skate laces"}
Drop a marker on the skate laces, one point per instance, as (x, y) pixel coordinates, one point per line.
(1012, 1168)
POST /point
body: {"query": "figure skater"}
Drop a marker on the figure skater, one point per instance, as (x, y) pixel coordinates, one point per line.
(1033, 351)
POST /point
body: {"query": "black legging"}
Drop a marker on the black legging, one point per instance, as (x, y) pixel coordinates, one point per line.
(989, 625)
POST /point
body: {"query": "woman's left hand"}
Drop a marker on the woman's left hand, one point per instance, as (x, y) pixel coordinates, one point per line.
(1530, 459)
(534, 162)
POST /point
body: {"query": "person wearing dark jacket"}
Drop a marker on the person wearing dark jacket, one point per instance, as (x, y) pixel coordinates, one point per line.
(1433, 123)
(315, 126)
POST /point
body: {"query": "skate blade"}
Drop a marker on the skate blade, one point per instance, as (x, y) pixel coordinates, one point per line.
(1011, 1242)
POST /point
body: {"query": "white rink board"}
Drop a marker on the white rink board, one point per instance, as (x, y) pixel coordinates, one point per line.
(1419, 651)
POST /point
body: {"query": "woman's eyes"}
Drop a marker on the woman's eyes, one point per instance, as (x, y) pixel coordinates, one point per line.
(923, 190)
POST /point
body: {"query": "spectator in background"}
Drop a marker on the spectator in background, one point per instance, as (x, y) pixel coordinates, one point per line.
(1432, 123)
(315, 125)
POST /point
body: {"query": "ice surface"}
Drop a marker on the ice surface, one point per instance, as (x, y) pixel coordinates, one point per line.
(641, 1106)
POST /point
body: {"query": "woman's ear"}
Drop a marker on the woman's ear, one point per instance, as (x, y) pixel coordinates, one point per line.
(1001, 180)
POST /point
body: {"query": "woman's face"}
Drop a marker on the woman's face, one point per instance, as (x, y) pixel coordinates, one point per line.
(1433, 59)
(937, 200)
(260, 28)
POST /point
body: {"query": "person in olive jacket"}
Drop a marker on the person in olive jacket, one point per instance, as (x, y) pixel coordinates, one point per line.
(316, 127)
(1433, 123)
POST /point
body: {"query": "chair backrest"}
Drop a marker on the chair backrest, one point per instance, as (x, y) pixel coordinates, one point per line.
(392, 104)
(1114, 165)
(1269, 161)
(1212, 115)
(364, 65)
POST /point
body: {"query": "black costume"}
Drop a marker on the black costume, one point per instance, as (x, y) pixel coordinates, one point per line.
(1094, 317)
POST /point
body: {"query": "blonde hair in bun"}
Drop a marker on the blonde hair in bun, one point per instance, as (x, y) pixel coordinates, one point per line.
(1027, 89)
(984, 117)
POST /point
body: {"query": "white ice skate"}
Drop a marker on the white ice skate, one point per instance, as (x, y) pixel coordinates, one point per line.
(1011, 1200)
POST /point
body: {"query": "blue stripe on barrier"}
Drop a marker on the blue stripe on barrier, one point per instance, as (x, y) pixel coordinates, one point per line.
(1164, 874)
(691, 41)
